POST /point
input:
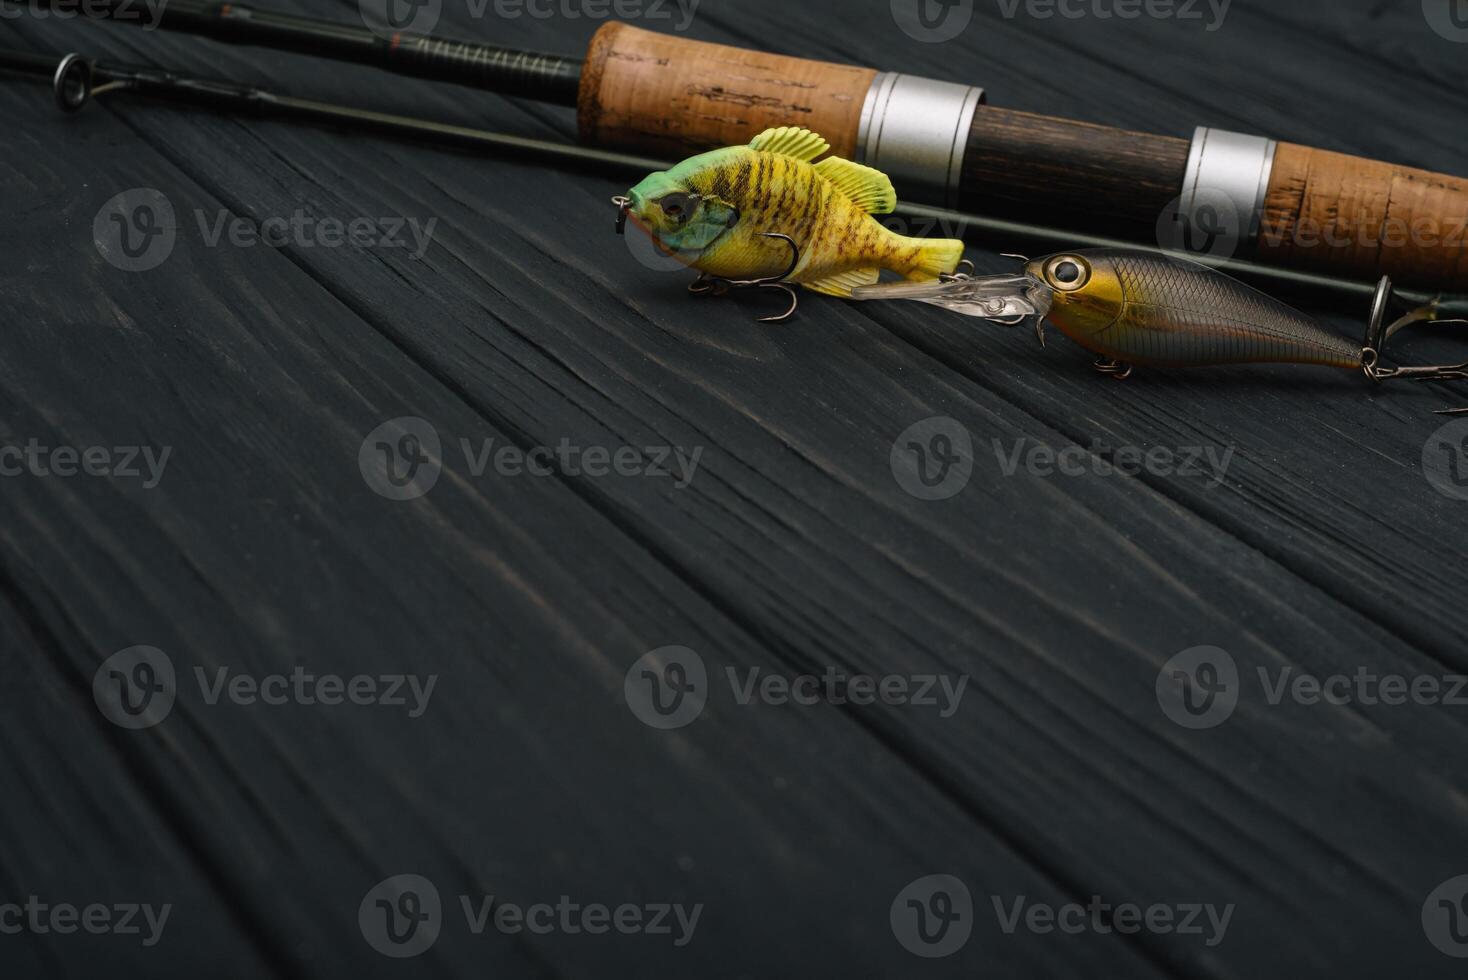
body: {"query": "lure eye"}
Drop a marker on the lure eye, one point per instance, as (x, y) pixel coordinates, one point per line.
(1068, 272)
(679, 207)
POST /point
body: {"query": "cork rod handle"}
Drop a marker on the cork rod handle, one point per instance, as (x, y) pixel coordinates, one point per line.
(1361, 218)
(655, 93)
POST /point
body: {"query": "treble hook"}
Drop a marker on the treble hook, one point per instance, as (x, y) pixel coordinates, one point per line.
(1378, 333)
(707, 285)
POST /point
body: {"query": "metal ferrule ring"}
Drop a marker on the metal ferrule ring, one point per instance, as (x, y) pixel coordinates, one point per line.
(1228, 171)
(915, 130)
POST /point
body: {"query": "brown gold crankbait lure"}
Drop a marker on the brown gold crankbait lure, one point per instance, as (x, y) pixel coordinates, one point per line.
(1135, 307)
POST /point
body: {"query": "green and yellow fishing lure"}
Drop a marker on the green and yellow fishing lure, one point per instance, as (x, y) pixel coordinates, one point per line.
(717, 212)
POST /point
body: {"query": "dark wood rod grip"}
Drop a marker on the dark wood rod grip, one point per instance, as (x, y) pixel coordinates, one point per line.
(1068, 174)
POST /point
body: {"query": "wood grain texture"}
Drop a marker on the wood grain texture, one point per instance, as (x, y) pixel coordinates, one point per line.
(1070, 174)
(527, 321)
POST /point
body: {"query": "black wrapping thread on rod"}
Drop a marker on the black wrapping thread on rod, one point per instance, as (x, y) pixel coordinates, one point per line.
(230, 96)
(526, 74)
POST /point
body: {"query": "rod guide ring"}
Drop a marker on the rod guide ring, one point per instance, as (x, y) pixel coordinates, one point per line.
(72, 83)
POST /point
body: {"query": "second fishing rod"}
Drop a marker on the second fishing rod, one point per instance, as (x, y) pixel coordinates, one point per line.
(1276, 203)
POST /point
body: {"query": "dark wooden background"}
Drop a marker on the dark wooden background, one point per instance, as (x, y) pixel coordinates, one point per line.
(1325, 549)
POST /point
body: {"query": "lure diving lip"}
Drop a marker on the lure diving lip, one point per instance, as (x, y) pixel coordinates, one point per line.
(1003, 299)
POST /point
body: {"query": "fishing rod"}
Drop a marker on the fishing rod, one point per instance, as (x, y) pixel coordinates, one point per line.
(75, 81)
(1276, 203)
